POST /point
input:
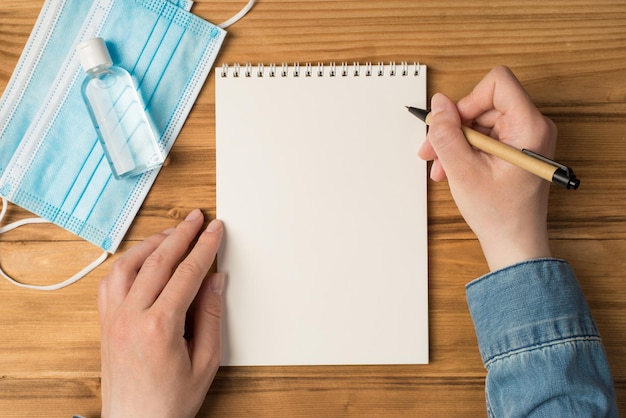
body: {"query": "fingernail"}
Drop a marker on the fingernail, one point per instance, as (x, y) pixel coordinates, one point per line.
(217, 283)
(437, 103)
(214, 225)
(168, 231)
(193, 215)
(422, 152)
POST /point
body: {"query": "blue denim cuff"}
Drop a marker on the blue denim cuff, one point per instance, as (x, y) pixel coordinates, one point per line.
(530, 304)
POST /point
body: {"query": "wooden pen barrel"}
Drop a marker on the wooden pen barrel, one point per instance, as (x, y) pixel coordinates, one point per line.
(508, 153)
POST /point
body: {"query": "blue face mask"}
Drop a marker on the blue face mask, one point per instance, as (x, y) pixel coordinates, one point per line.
(50, 160)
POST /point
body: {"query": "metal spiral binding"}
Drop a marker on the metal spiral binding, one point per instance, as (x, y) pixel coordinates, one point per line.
(356, 69)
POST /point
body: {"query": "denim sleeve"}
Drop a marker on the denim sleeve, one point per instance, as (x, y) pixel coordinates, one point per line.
(540, 346)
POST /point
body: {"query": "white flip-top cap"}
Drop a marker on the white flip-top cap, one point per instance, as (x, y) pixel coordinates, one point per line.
(93, 53)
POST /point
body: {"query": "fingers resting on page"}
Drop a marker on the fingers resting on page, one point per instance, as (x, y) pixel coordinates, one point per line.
(160, 315)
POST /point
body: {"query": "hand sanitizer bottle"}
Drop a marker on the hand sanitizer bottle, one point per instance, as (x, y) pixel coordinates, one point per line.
(117, 112)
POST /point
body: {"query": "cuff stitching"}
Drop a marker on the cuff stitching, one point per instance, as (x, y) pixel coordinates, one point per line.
(575, 339)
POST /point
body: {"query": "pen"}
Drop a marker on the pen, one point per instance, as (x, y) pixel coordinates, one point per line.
(532, 162)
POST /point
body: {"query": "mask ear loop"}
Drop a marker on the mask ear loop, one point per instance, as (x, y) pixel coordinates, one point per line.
(238, 16)
(57, 286)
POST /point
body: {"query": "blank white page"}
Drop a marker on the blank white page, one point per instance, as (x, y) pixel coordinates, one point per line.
(323, 199)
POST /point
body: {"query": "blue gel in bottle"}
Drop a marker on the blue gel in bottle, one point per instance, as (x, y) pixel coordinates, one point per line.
(117, 113)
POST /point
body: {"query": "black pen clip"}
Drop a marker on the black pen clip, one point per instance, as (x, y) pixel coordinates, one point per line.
(563, 175)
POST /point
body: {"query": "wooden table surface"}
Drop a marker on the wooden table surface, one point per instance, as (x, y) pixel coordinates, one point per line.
(570, 55)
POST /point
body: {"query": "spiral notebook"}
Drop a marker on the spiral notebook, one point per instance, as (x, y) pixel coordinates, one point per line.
(323, 198)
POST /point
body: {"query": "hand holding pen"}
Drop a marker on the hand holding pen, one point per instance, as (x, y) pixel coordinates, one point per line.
(505, 206)
(532, 162)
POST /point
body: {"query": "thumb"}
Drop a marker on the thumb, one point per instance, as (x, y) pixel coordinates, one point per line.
(207, 326)
(454, 153)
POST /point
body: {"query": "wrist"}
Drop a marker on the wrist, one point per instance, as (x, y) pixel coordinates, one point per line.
(502, 252)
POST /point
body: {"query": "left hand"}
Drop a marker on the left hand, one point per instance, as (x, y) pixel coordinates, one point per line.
(149, 367)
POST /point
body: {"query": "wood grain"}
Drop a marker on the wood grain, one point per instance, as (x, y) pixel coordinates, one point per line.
(570, 55)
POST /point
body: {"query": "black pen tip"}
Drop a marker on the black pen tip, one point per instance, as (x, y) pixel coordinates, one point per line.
(420, 113)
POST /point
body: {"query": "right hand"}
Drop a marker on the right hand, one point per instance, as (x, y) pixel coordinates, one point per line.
(504, 205)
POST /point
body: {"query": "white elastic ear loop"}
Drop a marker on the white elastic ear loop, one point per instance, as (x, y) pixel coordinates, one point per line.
(57, 286)
(238, 16)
